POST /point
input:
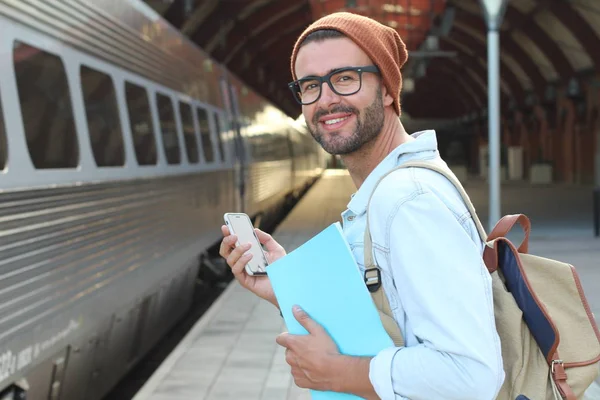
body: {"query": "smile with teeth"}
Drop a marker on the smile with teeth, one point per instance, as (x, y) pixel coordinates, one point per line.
(335, 121)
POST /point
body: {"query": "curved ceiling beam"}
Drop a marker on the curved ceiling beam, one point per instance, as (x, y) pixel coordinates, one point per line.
(580, 28)
(549, 47)
(271, 19)
(214, 30)
(261, 43)
(476, 65)
(508, 45)
(198, 16)
(205, 31)
(472, 63)
(278, 49)
(478, 85)
(514, 84)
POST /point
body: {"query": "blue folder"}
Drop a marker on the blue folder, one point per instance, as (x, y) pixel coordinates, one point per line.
(322, 277)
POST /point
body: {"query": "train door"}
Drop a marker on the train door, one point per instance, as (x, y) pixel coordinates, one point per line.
(230, 100)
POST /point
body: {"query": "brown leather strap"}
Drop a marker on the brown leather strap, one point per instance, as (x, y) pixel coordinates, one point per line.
(560, 378)
(506, 223)
(490, 256)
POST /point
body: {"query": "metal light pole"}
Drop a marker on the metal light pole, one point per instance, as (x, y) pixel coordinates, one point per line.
(494, 12)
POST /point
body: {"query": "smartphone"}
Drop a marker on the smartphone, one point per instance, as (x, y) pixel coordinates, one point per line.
(241, 225)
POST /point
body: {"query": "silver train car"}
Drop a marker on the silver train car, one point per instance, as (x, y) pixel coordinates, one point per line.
(121, 146)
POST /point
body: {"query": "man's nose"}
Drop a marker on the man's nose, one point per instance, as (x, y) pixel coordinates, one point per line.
(328, 96)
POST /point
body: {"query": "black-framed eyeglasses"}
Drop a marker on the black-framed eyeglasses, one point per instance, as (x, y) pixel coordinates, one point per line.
(343, 81)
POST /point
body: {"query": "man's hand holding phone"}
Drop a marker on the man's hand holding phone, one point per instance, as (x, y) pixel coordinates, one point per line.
(238, 257)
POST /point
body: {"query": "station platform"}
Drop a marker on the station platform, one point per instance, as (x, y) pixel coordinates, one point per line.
(231, 352)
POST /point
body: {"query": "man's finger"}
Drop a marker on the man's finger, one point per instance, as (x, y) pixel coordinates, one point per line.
(239, 266)
(230, 240)
(290, 358)
(223, 246)
(237, 255)
(238, 251)
(263, 237)
(306, 321)
(267, 240)
(227, 244)
(284, 339)
(225, 230)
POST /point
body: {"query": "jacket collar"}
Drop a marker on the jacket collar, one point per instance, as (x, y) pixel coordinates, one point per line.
(424, 147)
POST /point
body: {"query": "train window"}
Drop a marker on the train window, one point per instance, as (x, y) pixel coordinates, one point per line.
(205, 134)
(45, 108)
(3, 144)
(141, 125)
(219, 126)
(102, 112)
(189, 133)
(168, 128)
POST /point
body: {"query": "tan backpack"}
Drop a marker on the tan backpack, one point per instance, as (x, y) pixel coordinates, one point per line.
(550, 340)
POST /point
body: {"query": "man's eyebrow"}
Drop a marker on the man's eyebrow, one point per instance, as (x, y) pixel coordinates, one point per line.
(328, 72)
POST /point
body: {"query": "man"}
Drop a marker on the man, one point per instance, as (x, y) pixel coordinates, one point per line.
(347, 78)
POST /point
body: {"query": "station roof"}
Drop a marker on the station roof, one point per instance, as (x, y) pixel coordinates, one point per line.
(545, 44)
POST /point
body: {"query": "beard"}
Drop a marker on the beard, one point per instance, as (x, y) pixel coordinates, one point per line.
(367, 128)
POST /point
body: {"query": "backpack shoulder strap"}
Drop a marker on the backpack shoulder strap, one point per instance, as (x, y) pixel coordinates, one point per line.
(372, 272)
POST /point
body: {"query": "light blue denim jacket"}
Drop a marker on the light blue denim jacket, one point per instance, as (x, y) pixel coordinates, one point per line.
(440, 292)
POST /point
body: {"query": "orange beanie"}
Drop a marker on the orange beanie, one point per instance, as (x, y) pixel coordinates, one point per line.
(381, 43)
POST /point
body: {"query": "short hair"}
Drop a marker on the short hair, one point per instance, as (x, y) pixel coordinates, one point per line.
(321, 35)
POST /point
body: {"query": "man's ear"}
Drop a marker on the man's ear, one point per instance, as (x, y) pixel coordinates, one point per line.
(388, 100)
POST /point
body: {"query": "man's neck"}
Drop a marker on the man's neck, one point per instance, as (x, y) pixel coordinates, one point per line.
(362, 162)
